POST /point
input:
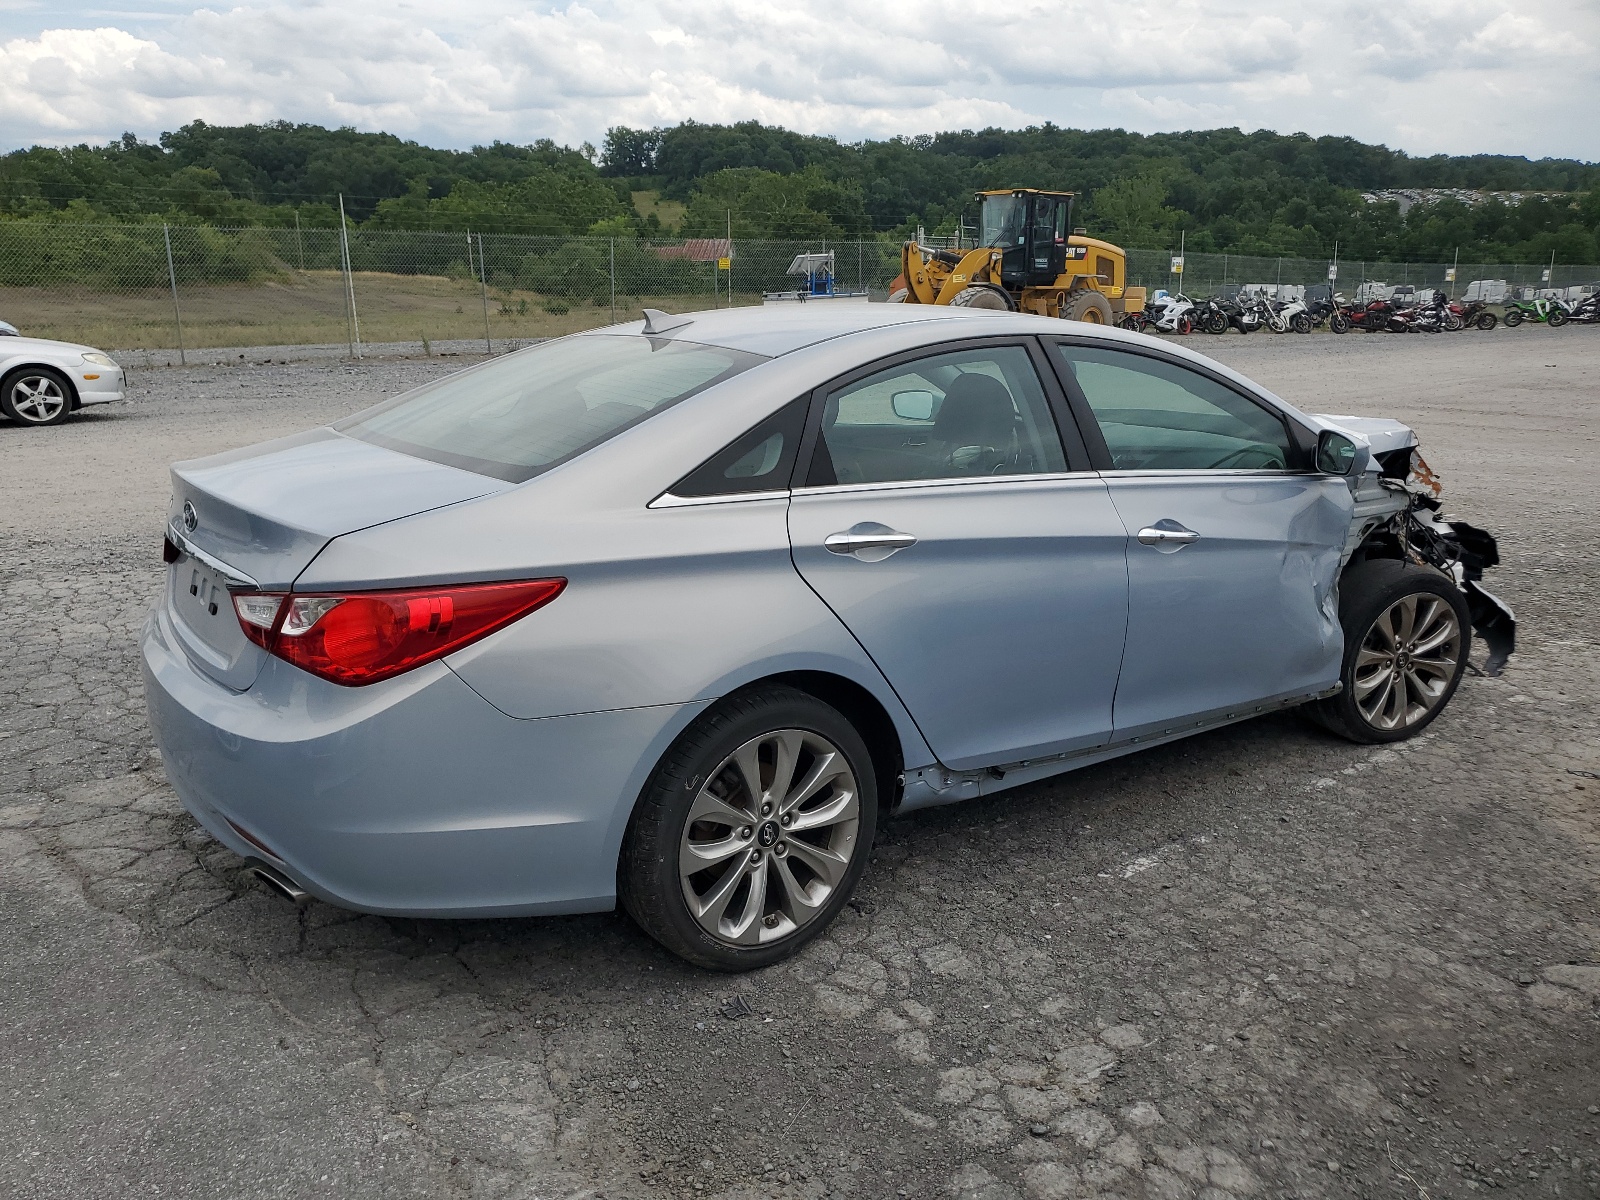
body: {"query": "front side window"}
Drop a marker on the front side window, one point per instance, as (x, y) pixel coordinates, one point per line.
(958, 415)
(1003, 220)
(1157, 416)
(525, 413)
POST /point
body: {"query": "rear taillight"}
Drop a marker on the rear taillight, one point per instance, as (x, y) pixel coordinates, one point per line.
(353, 638)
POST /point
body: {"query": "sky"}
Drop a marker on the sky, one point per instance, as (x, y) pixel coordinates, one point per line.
(1467, 76)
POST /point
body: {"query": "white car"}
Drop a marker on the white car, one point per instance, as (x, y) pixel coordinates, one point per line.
(42, 381)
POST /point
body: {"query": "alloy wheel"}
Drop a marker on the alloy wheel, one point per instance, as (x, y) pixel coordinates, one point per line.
(37, 399)
(769, 838)
(1407, 661)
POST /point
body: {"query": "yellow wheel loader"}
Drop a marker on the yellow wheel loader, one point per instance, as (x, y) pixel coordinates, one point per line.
(1029, 258)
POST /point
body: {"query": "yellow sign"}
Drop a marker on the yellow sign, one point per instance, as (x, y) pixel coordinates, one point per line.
(1177, 264)
(724, 264)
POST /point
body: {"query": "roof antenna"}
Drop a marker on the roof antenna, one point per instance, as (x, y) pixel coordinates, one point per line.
(656, 321)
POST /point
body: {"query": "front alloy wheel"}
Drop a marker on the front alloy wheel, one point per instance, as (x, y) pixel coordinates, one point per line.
(36, 396)
(753, 832)
(1407, 662)
(1407, 632)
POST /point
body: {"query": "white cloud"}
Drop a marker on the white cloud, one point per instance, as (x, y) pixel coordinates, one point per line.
(481, 70)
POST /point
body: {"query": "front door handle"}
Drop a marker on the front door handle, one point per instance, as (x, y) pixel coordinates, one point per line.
(1167, 536)
(868, 541)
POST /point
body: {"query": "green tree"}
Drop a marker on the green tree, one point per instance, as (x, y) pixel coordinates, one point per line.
(1134, 211)
(765, 204)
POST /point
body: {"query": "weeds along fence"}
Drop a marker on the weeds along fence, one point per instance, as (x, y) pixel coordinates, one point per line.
(181, 288)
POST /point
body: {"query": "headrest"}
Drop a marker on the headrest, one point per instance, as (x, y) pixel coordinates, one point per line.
(977, 411)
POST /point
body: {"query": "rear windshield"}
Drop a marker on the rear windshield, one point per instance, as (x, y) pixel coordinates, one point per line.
(522, 414)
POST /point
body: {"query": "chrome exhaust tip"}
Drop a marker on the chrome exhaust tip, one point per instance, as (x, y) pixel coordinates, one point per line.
(278, 882)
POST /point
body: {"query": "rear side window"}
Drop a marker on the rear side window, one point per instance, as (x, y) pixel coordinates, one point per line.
(758, 461)
(525, 413)
(1158, 416)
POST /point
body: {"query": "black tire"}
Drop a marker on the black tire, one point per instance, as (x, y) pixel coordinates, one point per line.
(1487, 321)
(1090, 306)
(1556, 319)
(649, 883)
(1513, 318)
(983, 296)
(1367, 594)
(1300, 322)
(37, 396)
(1216, 322)
(1339, 323)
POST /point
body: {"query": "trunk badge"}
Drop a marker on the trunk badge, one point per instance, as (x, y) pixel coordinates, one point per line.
(191, 518)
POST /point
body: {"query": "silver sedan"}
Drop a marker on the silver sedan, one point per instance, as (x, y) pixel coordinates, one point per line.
(42, 382)
(675, 613)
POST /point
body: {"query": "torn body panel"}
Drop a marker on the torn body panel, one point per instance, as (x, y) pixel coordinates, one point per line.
(1397, 514)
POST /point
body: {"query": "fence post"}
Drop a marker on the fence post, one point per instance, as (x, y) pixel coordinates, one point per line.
(483, 284)
(172, 278)
(353, 324)
(613, 281)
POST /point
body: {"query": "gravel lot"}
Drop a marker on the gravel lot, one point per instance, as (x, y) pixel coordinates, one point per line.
(1257, 963)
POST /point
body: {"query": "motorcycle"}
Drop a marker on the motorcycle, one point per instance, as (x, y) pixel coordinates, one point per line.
(1426, 316)
(1372, 317)
(1170, 313)
(1218, 315)
(1543, 309)
(1474, 314)
(1322, 305)
(1289, 315)
(1585, 311)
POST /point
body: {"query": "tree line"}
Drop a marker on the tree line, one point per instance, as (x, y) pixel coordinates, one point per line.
(1222, 190)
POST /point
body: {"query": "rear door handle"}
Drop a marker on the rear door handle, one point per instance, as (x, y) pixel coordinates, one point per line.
(869, 541)
(1167, 536)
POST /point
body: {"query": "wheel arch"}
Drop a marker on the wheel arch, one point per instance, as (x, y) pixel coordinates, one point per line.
(15, 369)
(871, 720)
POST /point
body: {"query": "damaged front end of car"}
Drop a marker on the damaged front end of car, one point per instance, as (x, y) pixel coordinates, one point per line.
(1398, 514)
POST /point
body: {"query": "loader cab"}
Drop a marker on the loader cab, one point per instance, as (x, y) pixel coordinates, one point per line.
(1030, 229)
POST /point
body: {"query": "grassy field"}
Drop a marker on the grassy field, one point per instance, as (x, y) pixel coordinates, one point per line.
(310, 309)
(668, 212)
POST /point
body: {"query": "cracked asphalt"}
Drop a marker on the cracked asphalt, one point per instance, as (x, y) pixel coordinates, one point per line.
(1260, 962)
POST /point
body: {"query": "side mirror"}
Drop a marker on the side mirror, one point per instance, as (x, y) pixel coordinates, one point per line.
(912, 406)
(1339, 455)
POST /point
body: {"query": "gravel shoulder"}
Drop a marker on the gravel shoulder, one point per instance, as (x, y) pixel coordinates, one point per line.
(1259, 962)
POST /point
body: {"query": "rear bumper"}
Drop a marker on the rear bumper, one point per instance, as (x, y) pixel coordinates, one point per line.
(412, 797)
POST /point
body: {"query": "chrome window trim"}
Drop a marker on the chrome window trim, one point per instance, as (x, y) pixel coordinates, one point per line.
(668, 500)
(1209, 473)
(834, 489)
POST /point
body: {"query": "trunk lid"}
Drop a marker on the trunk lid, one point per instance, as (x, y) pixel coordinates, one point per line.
(257, 517)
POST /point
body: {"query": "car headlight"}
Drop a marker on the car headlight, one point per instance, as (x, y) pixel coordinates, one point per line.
(100, 360)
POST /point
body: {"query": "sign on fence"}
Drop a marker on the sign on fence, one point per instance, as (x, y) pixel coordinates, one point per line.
(724, 264)
(1449, 274)
(1333, 272)
(1177, 264)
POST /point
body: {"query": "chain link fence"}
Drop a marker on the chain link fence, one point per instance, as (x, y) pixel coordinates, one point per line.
(188, 288)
